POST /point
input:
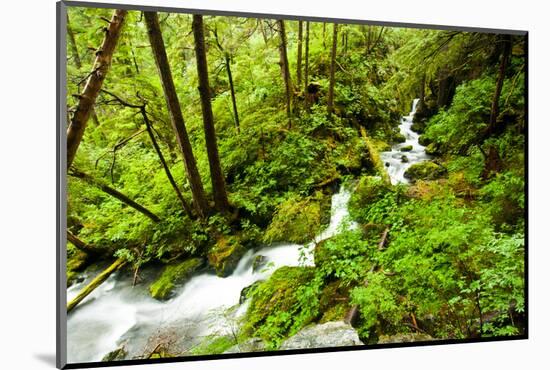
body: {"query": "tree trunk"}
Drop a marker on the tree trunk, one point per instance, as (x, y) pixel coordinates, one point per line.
(115, 193)
(176, 117)
(232, 89)
(330, 99)
(93, 85)
(97, 281)
(84, 247)
(285, 70)
(306, 67)
(186, 207)
(504, 58)
(422, 93)
(299, 56)
(216, 174)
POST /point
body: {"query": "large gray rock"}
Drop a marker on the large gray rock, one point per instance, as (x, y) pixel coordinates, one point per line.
(330, 334)
(251, 345)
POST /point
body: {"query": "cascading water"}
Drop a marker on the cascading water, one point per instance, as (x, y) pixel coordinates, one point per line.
(117, 314)
(397, 161)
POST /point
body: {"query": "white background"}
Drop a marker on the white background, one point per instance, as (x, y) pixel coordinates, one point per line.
(27, 182)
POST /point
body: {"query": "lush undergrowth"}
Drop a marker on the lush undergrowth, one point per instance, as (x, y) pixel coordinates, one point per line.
(442, 256)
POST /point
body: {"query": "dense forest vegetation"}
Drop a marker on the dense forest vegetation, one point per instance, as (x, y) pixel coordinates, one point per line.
(193, 139)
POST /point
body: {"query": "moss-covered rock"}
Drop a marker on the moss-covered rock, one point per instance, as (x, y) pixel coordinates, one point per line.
(225, 254)
(404, 159)
(76, 263)
(399, 138)
(432, 149)
(406, 148)
(116, 355)
(424, 140)
(173, 276)
(404, 338)
(426, 170)
(333, 302)
(278, 308)
(214, 345)
(297, 220)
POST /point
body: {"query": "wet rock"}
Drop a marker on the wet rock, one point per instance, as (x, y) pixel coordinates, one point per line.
(251, 345)
(387, 164)
(404, 159)
(116, 355)
(399, 138)
(404, 338)
(258, 263)
(406, 148)
(330, 334)
(424, 140)
(427, 170)
(225, 255)
(172, 276)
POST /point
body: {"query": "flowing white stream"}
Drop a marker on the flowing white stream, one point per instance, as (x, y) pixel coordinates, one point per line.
(394, 160)
(116, 314)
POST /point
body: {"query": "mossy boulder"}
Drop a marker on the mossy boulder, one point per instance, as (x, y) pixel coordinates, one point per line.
(432, 149)
(369, 189)
(406, 148)
(116, 355)
(277, 308)
(399, 138)
(297, 219)
(333, 302)
(225, 254)
(172, 276)
(426, 170)
(404, 159)
(76, 263)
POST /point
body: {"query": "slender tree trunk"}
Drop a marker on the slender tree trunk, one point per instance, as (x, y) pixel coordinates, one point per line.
(97, 281)
(306, 62)
(178, 124)
(186, 207)
(330, 99)
(422, 93)
(115, 193)
(299, 56)
(232, 89)
(324, 33)
(93, 85)
(504, 58)
(72, 44)
(83, 246)
(216, 174)
(285, 70)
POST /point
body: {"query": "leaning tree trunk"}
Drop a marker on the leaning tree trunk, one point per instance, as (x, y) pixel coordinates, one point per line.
(299, 56)
(232, 89)
(93, 85)
(113, 192)
(285, 70)
(149, 126)
(97, 281)
(77, 61)
(330, 99)
(178, 124)
(505, 57)
(216, 174)
(83, 246)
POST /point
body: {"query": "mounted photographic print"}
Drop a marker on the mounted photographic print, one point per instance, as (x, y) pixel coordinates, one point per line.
(237, 184)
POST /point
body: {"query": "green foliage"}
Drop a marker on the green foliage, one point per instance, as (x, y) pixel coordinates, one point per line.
(282, 305)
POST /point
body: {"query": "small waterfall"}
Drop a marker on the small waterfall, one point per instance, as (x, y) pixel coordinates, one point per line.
(394, 160)
(118, 314)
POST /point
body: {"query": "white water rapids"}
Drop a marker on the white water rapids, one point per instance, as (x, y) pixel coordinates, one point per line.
(117, 314)
(393, 160)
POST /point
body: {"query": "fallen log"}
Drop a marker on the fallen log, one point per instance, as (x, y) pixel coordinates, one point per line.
(383, 239)
(83, 246)
(97, 281)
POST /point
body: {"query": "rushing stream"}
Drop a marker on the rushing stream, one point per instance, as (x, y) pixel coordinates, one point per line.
(117, 314)
(398, 161)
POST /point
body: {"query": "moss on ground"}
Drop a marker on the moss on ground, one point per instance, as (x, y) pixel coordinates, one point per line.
(425, 171)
